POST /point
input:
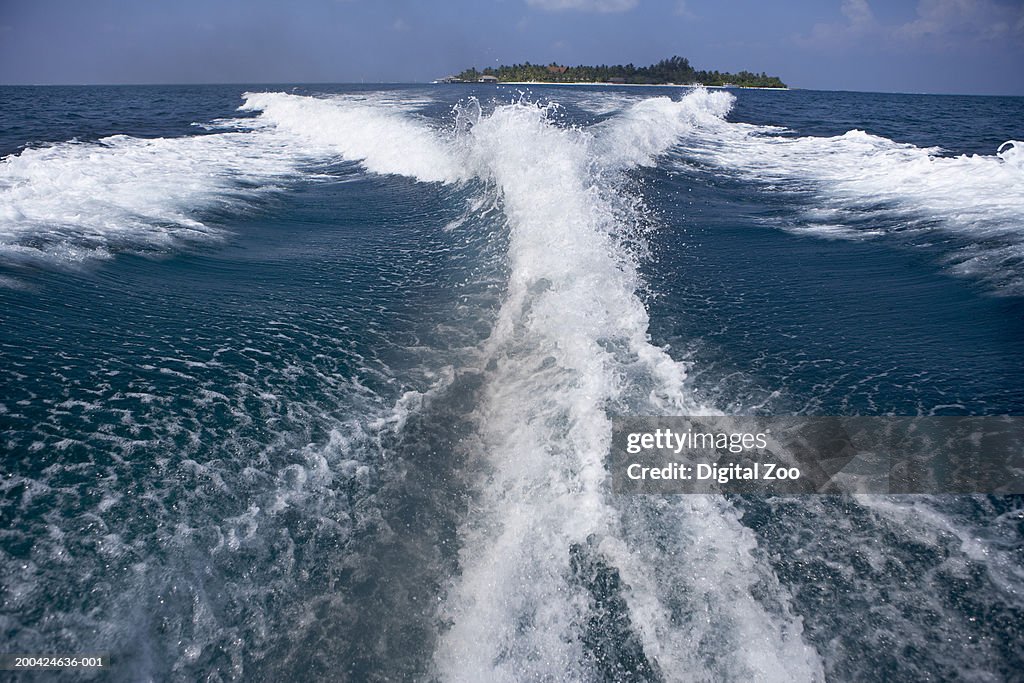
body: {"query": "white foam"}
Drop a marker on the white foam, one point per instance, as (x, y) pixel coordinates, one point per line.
(72, 202)
(571, 343)
(980, 194)
(380, 138)
(873, 180)
(1012, 152)
(75, 201)
(649, 128)
(570, 346)
(992, 543)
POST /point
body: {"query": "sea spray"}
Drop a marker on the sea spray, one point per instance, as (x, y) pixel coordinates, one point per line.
(571, 342)
(383, 140)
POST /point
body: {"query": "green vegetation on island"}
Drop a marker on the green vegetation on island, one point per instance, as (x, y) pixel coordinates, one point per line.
(675, 70)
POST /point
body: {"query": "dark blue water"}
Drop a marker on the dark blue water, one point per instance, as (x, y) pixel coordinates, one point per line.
(319, 389)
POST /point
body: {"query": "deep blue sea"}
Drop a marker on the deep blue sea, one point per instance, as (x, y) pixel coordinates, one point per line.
(315, 382)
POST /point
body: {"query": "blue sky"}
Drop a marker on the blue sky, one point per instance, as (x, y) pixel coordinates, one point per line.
(950, 46)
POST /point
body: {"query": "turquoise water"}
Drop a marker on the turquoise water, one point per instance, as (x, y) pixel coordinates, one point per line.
(321, 387)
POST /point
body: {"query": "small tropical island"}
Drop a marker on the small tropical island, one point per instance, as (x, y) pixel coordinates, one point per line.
(674, 71)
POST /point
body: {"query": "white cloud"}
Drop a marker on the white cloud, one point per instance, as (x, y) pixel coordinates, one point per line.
(860, 21)
(982, 19)
(584, 5)
(938, 23)
(683, 10)
(858, 12)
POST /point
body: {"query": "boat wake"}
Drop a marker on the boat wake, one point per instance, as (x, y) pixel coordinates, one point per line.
(554, 575)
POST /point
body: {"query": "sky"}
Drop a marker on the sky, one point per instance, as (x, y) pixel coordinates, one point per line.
(934, 46)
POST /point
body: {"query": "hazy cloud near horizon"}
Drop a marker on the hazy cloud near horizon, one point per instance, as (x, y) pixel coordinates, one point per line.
(963, 21)
(586, 5)
(969, 46)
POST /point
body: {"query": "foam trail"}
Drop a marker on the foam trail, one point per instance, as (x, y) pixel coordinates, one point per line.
(980, 194)
(382, 140)
(72, 202)
(569, 344)
(558, 577)
(866, 185)
(859, 169)
(75, 201)
(649, 128)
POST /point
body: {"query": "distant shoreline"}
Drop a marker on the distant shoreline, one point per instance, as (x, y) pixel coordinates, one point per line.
(675, 70)
(628, 85)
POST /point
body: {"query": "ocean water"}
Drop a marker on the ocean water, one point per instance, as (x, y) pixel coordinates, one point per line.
(315, 382)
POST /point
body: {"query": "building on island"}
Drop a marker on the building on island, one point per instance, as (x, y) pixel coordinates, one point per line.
(488, 79)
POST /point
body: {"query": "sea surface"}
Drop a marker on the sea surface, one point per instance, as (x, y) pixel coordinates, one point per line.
(316, 382)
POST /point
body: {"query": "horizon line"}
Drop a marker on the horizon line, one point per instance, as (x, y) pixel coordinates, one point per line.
(614, 85)
(639, 85)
